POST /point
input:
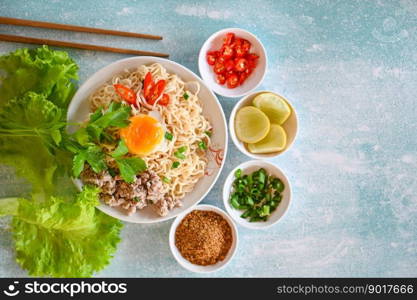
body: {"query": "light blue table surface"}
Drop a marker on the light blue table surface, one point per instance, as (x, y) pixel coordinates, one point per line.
(350, 70)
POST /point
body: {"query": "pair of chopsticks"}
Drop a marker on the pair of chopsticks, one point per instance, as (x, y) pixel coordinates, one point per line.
(48, 25)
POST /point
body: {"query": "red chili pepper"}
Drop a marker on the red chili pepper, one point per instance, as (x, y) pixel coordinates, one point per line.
(157, 91)
(241, 64)
(165, 100)
(126, 93)
(220, 79)
(211, 57)
(232, 81)
(229, 38)
(147, 85)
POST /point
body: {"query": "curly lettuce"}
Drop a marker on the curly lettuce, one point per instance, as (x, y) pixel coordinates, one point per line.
(62, 238)
(41, 70)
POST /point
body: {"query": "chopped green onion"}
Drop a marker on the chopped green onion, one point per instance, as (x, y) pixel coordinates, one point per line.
(166, 179)
(182, 149)
(235, 202)
(179, 155)
(180, 152)
(168, 136)
(208, 133)
(264, 211)
(280, 186)
(186, 96)
(136, 199)
(246, 214)
(175, 164)
(238, 173)
(202, 145)
(249, 201)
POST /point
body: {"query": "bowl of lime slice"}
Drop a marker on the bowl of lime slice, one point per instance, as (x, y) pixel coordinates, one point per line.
(263, 124)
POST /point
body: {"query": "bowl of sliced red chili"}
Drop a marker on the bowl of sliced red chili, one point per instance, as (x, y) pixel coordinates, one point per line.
(232, 62)
(203, 239)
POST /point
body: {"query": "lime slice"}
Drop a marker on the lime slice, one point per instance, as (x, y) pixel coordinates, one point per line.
(251, 124)
(275, 141)
(275, 107)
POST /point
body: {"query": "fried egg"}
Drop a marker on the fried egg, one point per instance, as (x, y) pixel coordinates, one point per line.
(145, 134)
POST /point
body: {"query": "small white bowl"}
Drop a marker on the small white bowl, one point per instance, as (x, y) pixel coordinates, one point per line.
(197, 268)
(214, 42)
(247, 168)
(290, 126)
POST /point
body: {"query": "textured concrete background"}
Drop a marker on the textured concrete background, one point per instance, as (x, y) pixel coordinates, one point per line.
(350, 70)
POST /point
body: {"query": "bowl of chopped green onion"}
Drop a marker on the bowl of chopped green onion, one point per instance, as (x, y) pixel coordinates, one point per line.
(256, 194)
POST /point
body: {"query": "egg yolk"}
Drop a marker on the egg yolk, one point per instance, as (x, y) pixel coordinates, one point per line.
(143, 134)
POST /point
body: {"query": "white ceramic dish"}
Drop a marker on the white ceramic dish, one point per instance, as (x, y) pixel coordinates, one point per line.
(196, 268)
(214, 42)
(247, 168)
(290, 126)
(79, 109)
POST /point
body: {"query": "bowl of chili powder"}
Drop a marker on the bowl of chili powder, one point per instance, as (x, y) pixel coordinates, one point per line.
(203, 239)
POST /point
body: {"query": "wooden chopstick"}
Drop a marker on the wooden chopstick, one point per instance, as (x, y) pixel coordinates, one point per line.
(30, 40)
(31, 23)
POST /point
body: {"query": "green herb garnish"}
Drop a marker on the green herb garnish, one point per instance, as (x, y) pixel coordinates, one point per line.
(120, 150)
(175, 164)
(129, 167)
(182, 149)
(186, 96)
(202, 145)
(208, 133)
(93, 155)
(179, 155)
(117, 115)
(180, 152)
(168, 136)
(166, 179)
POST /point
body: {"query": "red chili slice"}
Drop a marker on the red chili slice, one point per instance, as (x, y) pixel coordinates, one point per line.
(241, 64)
(237, 42)
(220, 79)
(246, 45)
(147, 85)
(165, 100)
(229, 38)
(221, 59)
(126, 93)
(229, 65)
(242, 77)
(211, 57)
(239, 51)
(232, 81)
(219, 67)
(227, 52)
(157, 91)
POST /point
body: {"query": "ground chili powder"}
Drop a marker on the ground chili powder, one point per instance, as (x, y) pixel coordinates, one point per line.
(203, 237)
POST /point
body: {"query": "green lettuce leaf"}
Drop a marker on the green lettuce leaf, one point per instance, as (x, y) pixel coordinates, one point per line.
(40, 70)
(30, 132)
(61, 238)
(33, 116)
